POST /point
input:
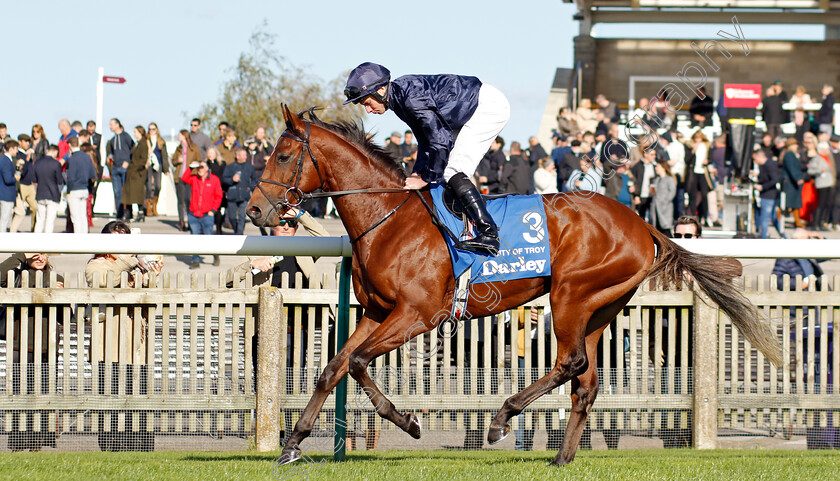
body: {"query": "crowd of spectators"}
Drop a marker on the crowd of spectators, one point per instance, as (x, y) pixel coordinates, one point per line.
(214, 178)
(673, 172)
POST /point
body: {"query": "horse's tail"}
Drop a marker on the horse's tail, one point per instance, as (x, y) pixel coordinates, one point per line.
(715, 277)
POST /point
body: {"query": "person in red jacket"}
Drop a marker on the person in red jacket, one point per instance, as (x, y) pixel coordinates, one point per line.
(204, 202)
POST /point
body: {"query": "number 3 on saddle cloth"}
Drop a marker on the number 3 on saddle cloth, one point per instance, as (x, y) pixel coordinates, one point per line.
(523, 236)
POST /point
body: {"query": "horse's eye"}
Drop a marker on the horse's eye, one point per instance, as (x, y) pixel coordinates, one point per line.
(283, 158)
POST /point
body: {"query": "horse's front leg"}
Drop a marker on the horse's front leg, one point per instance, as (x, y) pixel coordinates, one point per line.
(387, 337)
(330, 377)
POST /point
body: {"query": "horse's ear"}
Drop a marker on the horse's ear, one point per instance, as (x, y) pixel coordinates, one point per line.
(286, 114)
(293, 122)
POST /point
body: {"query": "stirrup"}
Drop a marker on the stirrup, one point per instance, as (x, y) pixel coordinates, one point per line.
(480, 246)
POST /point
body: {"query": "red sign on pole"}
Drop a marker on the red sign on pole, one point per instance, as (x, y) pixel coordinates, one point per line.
(741, 95)
(113, 80)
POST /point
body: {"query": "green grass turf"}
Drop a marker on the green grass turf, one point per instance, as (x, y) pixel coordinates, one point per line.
(646, 465)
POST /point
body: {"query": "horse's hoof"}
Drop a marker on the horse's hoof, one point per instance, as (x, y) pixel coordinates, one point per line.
(413, 426)
(494, 435)
(560, 461)
(290, 455)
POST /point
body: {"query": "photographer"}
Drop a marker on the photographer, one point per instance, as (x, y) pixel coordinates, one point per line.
(140, 270)
(272, 270)
(122, 339)
(31, 263)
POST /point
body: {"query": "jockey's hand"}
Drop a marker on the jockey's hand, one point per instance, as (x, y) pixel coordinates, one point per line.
(414, 182)
(291, 213)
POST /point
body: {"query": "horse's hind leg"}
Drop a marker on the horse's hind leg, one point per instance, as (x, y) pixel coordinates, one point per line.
(387, 337)
(585, 386)
(332, 374)
(571, 361)
(584, 391)
(499, 428)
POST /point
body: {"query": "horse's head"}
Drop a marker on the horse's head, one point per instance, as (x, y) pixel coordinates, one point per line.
(291, 170)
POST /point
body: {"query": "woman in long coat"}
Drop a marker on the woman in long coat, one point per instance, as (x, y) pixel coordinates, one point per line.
(662, 207)
(792, 180)
(134, 190)
(159, 165)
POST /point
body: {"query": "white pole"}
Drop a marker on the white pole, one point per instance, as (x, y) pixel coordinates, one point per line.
(172, 244)
(764, 248)
(100, 93)
(340, 246)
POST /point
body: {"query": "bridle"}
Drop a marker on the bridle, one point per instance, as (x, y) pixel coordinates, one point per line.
(298, 196)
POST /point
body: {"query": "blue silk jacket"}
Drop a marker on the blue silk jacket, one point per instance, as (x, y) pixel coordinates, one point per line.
(435, 107)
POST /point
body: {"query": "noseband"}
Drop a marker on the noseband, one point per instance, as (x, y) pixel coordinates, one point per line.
(298, 196)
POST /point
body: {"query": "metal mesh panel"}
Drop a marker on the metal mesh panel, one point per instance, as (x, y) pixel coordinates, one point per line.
(162, 375)
(457, 377)
(793, 403)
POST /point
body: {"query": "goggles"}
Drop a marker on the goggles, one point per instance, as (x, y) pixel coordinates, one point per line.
(353, 93)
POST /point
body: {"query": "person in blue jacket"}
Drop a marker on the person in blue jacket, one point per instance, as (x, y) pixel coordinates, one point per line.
(80, 172)
(239, 179)
(455, 119)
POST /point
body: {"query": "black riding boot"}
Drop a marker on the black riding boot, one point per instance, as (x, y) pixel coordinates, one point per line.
(487, 236)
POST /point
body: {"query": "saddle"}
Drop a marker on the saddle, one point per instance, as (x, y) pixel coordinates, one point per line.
(524, 251)
(521, 220)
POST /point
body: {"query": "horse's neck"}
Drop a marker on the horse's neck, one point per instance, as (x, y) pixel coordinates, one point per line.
(351, 169)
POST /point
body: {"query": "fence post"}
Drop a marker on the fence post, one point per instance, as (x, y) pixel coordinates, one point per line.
(705, 372)
(341, 330)
(271, 378)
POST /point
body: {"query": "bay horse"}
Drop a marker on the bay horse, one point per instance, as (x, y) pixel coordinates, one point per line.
(600, 252)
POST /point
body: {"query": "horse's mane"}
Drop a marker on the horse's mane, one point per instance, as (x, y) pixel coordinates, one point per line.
(356, 134)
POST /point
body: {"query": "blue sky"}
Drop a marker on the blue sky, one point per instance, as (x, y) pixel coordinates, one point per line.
(176, 55)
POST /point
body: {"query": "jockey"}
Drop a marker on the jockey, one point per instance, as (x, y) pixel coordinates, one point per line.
(455, 120)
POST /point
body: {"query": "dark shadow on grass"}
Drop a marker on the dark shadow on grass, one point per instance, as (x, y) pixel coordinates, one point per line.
(500, 457)
(232, 457)
(532, 457)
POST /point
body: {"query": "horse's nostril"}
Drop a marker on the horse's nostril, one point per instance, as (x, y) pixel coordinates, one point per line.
(254, 212)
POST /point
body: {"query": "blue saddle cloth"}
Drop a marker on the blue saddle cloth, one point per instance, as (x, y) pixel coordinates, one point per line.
(524, 251)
